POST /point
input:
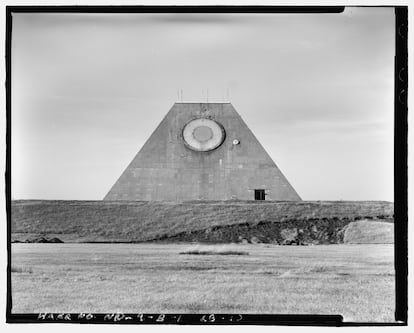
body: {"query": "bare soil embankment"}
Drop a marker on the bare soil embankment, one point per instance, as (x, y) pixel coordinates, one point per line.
(318, 222)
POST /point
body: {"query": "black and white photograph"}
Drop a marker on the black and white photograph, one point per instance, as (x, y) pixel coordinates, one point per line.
(219, 162)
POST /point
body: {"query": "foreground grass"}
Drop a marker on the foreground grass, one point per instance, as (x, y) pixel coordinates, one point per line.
(15, 269)
(356, 281)
(221, 250)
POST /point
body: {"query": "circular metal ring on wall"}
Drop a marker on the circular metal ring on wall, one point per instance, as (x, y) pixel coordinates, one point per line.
(203, 134)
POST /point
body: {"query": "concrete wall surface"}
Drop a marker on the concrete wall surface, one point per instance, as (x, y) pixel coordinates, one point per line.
(165, 169)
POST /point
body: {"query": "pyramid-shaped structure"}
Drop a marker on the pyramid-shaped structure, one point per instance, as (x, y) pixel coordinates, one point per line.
(202, 151)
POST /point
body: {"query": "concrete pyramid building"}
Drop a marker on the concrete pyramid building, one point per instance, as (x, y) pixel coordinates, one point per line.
(202, 151)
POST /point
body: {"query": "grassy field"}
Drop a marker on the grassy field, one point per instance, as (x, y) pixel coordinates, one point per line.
(86, 221)
(356, 281)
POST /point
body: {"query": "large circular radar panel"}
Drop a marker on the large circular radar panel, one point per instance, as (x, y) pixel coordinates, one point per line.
(203, 134)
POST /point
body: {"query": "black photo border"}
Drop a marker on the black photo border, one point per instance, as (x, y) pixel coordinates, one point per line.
(400, 180)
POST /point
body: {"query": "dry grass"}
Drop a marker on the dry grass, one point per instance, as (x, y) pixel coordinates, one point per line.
(15, 269)
(223, 250)
(356, 281)
(140, 220)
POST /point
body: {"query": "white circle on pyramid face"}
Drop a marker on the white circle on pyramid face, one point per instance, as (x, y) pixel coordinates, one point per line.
(203, 134)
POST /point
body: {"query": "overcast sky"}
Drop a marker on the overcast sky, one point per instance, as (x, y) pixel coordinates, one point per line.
(315, 89)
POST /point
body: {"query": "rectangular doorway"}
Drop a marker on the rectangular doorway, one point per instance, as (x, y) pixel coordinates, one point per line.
(259, 194)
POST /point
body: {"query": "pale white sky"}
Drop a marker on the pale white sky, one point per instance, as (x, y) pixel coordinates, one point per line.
(316, 90)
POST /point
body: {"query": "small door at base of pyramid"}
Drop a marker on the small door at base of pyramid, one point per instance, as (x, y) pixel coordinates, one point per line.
(259, 194)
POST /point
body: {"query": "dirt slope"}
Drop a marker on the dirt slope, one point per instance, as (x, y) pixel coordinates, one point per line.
(369, 232)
